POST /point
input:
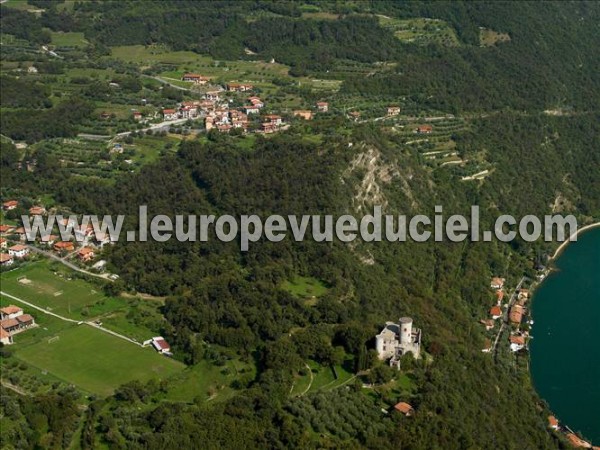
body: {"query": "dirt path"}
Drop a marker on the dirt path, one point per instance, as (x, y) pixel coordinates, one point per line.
(311, 380)
(66, 319)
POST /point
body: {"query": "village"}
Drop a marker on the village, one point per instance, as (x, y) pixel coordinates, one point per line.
(15, 245)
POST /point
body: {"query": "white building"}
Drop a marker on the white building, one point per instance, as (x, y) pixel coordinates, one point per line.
(18, 251)
(10, 312)
(161, 345)
(397, 339)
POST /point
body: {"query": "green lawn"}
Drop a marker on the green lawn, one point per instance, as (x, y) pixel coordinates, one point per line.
(323, 377)
(141, 54)
(72, 39)
(305, 287)
(96, 361)
(207, 381)
(58, 292)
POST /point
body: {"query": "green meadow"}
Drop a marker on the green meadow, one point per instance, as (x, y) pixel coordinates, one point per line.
(95, 361)
(56, 289)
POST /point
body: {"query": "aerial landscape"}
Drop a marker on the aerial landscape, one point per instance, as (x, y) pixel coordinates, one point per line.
(299, 224)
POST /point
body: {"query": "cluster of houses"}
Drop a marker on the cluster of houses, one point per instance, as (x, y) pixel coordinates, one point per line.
(13, 321)
(573, 439)
(219, 116)
(86, 239)
(516, 312)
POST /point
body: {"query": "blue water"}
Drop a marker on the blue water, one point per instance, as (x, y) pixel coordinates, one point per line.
(565, 351)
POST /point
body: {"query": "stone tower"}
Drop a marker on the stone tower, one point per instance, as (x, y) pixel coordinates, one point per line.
(405, 330)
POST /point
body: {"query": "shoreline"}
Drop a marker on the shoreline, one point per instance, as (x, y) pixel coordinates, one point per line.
(570, 239)
(562, 429)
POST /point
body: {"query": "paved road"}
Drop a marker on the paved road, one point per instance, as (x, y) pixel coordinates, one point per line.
(160, 80)
(70, 265)
(31, 305)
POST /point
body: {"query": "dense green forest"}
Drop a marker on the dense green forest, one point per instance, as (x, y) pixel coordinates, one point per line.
(222, 304)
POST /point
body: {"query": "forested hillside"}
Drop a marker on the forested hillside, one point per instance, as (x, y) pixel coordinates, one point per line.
(298, 317)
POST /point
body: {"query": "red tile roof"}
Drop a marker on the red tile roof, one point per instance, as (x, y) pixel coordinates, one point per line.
(25, 318)
(4, 257)
(403, 407)
(10, 309)
(496, 311)
(9, 323)
(519, 340)
(516, 314)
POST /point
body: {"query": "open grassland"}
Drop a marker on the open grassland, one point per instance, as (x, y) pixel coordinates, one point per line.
(150, 55)
(489, 37)
(323, 377)
(95, 361)
(305, 287)
(209, 382)
(421, 31)
(71, 39)
(56, 290)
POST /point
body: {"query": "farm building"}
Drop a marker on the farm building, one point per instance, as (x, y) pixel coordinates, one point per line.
(161, 345)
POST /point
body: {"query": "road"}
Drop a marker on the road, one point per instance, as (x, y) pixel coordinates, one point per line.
(160, 80)
(70, 265)
(66, 319)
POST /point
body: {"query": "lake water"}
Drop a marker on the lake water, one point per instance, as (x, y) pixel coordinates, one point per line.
(565, 351)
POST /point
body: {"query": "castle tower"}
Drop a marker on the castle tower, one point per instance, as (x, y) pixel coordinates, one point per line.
(405, 330)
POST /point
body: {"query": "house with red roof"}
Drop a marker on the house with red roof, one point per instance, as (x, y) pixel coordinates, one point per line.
(10, 205)
(404, 408)
(195, 78)
(64, 246)
(18, 251)
(496, 312)
(6, 229)
(322, 106)
(5, 337)
(239, 87)
(37, 211)
(497, 283)
(424, 129)
(170, 114)
(10, 312)
(6, 259)
(161, 345)
(86, 254)
(516, 314)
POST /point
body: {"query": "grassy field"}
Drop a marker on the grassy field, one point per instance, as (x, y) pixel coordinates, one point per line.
(489, 37)
(323, 377)
(421, 30)
(305, 287)
(149, 55)
(95, 361)
(72, 39)
(207, 381)
(57, 291)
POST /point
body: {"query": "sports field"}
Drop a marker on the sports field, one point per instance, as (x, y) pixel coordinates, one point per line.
(95, 361)
(58, 292)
